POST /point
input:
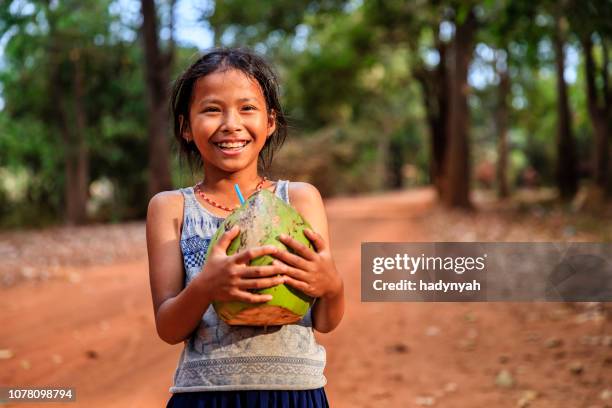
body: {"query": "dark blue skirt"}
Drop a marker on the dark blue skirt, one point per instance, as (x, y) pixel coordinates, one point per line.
(250, 399)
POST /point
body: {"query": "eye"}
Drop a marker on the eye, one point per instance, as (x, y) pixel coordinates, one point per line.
(249, 107)
(211, 109)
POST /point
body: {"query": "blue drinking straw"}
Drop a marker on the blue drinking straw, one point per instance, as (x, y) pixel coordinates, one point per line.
(240, 197)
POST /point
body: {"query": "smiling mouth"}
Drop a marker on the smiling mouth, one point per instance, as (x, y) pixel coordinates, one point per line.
(232, 145)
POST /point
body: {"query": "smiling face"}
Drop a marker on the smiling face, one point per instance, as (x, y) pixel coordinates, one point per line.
(229, 121)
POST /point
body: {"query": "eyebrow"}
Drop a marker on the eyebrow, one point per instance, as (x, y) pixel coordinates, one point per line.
(220, 102)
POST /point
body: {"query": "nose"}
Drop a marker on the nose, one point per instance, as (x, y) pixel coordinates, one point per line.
(232, 121)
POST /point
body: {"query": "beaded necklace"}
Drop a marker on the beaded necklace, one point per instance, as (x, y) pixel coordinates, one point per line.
(198, 189)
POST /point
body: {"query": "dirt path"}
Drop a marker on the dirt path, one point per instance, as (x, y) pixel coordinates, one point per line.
(92, 328)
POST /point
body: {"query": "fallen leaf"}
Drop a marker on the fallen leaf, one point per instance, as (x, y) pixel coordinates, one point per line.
(504, 379)
(425, 401)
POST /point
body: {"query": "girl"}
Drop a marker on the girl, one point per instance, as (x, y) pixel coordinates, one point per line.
(228, 120)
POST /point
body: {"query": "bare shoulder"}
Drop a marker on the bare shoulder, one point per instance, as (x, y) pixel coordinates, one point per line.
(303, 194)
(166, 206)
(306, 199)
(166, 201)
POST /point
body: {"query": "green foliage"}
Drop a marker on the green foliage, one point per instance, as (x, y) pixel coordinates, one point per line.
(348, 73)
(38, 81)
(249, 23)
(323, 83)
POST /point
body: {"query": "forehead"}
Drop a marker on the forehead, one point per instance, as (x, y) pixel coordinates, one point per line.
(227, 84)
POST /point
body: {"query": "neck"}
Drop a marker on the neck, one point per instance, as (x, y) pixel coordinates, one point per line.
(221, 183)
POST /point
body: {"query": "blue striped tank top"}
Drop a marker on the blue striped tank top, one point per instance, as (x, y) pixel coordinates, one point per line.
(220, 357)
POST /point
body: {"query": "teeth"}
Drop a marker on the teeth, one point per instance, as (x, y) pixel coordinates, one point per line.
(231, 144)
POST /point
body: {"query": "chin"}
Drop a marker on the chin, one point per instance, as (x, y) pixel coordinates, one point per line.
(232, 167)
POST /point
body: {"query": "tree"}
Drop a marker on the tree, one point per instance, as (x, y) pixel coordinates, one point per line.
(73, 113)
(566, 166)
(62, 53)
(592, 24)
(434, 85)
(599, 102)
(157, 68)
(501, 120)
(457, 168)
(418, 26)
(509, 23)
(444, 85)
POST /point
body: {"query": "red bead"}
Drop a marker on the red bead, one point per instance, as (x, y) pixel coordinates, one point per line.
(214, 204)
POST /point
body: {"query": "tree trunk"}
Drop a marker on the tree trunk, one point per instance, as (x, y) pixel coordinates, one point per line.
(396, 163)
(599, 111)
(457, 168)
(382, 161)
(502, 131)
(434, 85)
(75, 168)
(76, 153)
(157, 70)
(73, 138)
(77, 160)
(566, 168)
(608, 101)
(383, 167)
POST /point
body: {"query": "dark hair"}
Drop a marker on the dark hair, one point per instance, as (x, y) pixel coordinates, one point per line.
(220, 59)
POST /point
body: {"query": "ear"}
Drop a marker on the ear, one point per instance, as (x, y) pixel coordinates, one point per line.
(186, 129)
(271, 123)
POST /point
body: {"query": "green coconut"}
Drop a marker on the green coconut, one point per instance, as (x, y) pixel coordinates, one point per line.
(262, 218)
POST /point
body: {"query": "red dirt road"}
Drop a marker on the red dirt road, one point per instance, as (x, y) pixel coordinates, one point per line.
(91, 328)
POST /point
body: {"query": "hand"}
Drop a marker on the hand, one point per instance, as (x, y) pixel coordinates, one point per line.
(312, 272)
(228, 278)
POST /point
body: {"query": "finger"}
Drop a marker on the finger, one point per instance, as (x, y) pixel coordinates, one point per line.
(299, 248)
(293, 260)
(227, 238)
(244, 296)
(291, 271)
(298, 284)
(245, 256)
(259, 271)
(316, 238)
(261, 283)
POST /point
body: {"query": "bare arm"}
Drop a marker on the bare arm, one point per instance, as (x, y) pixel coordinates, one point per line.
(177, 311)
(328, 311)
(326, 282)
